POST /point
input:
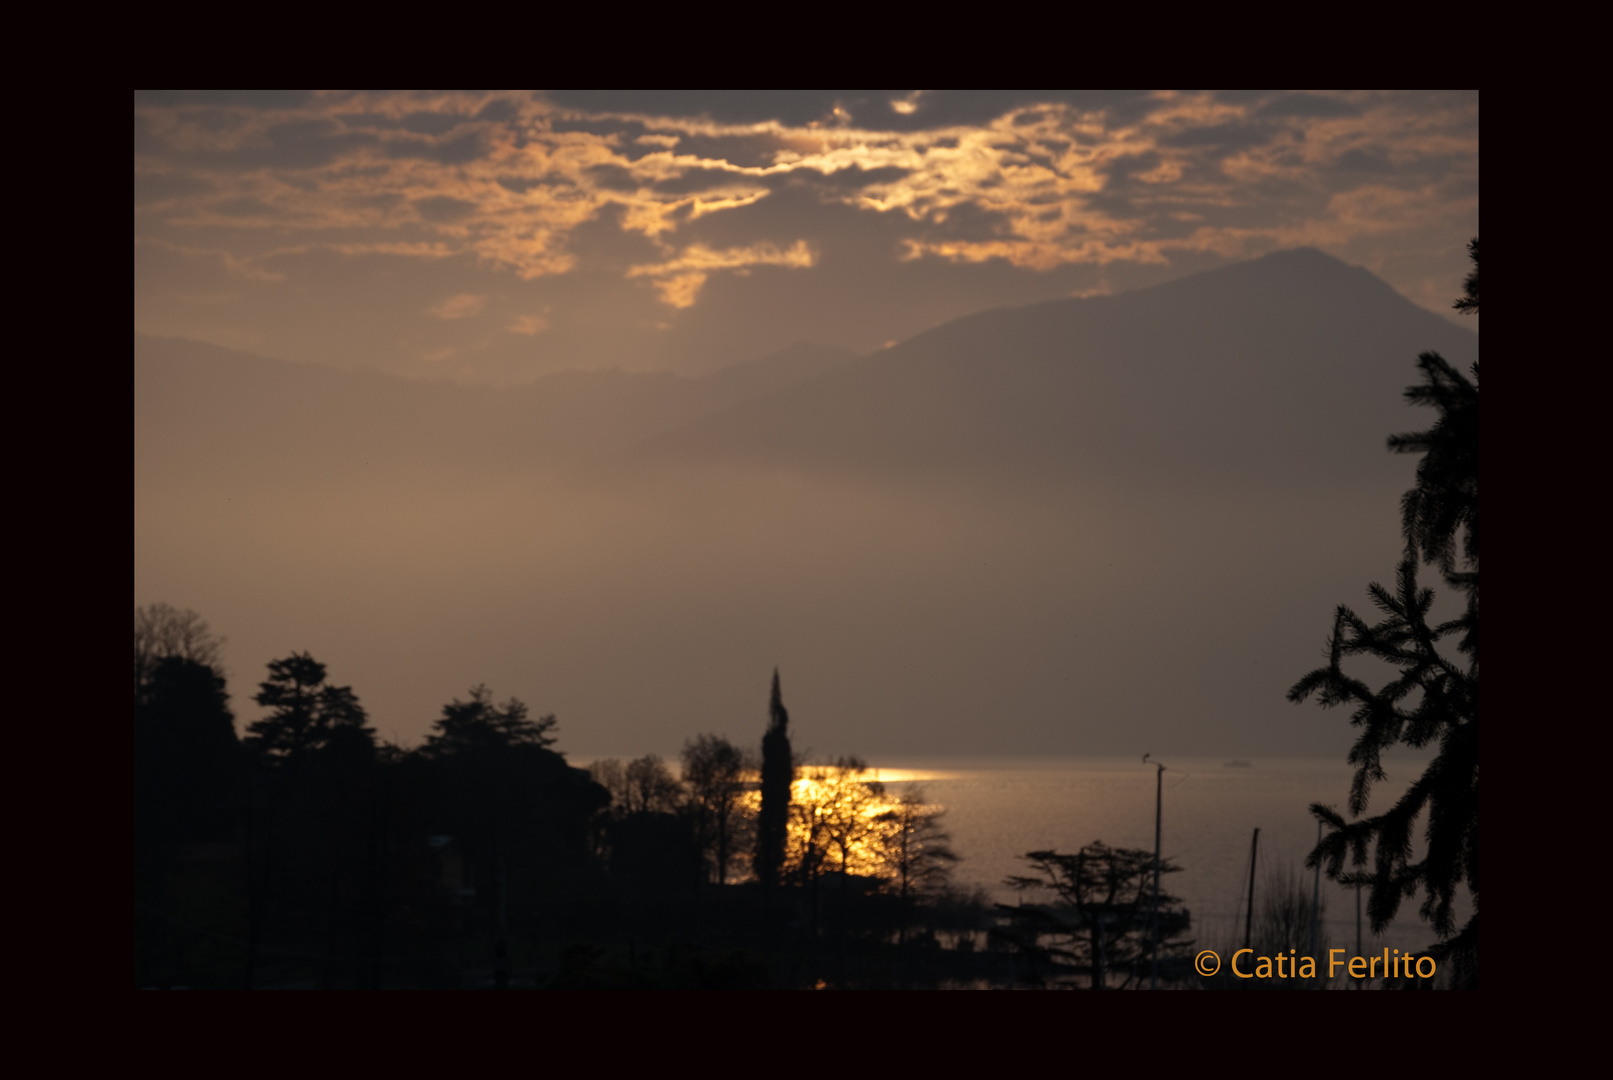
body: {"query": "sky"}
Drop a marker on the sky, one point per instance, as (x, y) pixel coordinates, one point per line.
(494, 237)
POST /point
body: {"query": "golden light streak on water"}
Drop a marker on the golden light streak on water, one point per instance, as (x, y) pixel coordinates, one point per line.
(843, 818)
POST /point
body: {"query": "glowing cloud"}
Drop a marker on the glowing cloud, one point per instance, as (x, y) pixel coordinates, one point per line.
(678, 280)
(907, 106)
(511, 180)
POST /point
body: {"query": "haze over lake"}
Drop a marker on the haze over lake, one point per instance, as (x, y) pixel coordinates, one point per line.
(1091, 526)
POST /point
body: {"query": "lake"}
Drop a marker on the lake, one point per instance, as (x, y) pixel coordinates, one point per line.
(999, 809)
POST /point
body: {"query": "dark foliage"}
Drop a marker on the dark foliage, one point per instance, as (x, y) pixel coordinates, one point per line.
(314, 857)
(480, 724)
(1100, 924)
(714, 773)
(517, 815)
(163, 632)
(1468, 302)
(1434, 699)
(187, 759)
(655, 853)
(188, 769)
(307, 714)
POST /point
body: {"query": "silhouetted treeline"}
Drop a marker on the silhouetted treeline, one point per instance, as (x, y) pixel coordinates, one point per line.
(310, 854)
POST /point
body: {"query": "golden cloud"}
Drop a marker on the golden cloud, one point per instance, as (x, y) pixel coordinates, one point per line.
(678, 280)
(509, 180)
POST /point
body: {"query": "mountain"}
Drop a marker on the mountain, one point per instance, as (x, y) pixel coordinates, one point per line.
(1288, 368)
(206, 411)
(1105, 525)
(1285, 369)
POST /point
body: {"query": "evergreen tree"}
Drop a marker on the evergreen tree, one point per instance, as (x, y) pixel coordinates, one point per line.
(307, 714)
(1435, 698)
(480, 722)
(1100, 923)
(778, 772)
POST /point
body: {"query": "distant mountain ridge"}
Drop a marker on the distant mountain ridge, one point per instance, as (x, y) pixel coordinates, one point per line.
(1288, 367)
(200, 406)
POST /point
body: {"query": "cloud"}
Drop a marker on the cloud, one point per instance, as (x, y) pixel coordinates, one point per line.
(906, 106)
(247, 268)
(443, 209)
(1033, 181)
(529, 324)
(1308, 105)
(243, 206)
(678, 280)
(163, 187)
(463, 306)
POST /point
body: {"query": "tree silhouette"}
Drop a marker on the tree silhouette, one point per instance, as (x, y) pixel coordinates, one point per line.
(187, 758)
(162, 631)
(480, 722)
(714, 773)
(837, 814)
(1100, 922)
(915, 849)
(651, 788)
(307, 714)
(778, 772)
(518, 815)
(1434, 700)
(611, 774)
(187, 776)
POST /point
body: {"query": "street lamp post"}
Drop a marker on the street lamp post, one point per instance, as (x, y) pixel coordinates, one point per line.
(1159, 791)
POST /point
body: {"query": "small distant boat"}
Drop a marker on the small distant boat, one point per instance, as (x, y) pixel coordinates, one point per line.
(1237, 764)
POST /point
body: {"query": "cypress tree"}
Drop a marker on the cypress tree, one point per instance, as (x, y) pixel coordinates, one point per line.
(778, 771)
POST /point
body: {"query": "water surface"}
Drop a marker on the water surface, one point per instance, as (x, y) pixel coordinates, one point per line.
(999, 809)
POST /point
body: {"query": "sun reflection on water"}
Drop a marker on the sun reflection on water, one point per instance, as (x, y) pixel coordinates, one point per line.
(844, 819)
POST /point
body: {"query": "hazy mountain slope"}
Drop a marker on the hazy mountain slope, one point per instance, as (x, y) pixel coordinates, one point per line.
(205, 411)
(1208, 481)
(1288, 367)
